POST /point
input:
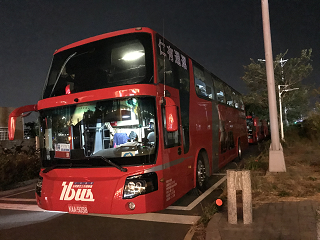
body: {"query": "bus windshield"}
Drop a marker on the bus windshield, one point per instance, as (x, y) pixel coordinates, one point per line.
(116, 61)
(120, 130)
(250, 125)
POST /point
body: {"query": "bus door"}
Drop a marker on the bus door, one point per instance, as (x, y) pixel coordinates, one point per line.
(177, 167)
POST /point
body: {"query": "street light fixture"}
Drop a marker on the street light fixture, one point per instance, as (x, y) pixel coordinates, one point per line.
(280, 105)
(282, 63)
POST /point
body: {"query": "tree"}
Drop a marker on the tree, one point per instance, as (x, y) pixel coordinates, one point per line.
(290, 74)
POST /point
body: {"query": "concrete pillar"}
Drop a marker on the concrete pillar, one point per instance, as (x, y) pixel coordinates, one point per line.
(232, 198)
(239, 180)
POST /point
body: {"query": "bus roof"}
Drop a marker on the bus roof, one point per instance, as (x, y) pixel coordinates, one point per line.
(103, 36)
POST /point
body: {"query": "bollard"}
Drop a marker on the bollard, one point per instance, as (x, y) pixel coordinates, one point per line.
(239, 180)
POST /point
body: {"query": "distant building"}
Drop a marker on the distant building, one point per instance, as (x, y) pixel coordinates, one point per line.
(4, 116)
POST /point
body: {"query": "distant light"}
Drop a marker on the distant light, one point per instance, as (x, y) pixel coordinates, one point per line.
(131, 56)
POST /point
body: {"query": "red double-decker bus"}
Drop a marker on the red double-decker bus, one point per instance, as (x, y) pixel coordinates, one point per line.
(129, 124)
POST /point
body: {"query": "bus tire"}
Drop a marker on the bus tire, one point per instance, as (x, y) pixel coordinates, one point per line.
(201, 174)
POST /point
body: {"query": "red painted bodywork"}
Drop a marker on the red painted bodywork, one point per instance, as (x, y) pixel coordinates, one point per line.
(17, 113)
(176, 170)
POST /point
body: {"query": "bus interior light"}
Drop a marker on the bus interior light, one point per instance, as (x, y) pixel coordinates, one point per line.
(131, 56)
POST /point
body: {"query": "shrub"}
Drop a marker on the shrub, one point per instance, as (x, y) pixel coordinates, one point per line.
(17, 166)
(310, 127)
(259, 162)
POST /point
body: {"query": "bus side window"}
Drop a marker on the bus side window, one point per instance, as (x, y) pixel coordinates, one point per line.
(209, 85)
(203, 83)
(219, 91)
(241, 103)
(199, 82)
(229, 99)
(236, 101)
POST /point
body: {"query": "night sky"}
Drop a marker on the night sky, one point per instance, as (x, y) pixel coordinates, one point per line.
(222, 35)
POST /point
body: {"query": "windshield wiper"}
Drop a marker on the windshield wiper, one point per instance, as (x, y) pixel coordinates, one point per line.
(122, 169)
(70, 165)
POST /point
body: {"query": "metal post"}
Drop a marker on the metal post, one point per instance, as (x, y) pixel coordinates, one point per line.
(280, 109)
(276, 158)
(280, 106)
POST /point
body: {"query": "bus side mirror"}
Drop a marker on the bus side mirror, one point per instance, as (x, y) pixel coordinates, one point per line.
(17, 113)
(171, 115)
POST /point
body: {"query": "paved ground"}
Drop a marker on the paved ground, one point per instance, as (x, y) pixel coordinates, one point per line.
(281, 220)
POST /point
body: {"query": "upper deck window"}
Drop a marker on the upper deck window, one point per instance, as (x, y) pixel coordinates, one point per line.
(121, 60)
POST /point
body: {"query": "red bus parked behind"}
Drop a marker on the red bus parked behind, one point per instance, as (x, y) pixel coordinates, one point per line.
(257, 129)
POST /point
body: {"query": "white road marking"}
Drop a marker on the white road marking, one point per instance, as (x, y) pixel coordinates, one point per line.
(18, 199)
(156, 217)
(152, 217)
(22, 207)
(18, 193)
(198, 199)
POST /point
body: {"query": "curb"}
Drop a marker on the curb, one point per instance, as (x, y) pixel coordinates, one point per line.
(212, 231)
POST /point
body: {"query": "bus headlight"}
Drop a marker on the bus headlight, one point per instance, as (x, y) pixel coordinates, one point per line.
(139, 185)
(39, 186)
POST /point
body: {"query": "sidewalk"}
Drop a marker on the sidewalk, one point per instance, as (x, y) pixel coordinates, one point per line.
(281, 220)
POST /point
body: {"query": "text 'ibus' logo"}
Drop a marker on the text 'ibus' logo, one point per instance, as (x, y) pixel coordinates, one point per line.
(79, 191)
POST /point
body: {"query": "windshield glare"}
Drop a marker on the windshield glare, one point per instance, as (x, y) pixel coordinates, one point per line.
(116, 61)
(120, 130)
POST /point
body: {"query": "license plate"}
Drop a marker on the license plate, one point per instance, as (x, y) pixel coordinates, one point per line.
(77, 209)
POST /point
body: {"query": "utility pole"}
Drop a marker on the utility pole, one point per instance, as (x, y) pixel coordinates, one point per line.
(276, 158)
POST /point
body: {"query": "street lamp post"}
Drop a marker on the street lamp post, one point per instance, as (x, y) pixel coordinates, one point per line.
(280, 105)
(276, 158)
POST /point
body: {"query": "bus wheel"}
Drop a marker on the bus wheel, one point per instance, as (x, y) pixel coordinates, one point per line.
(201, 174)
